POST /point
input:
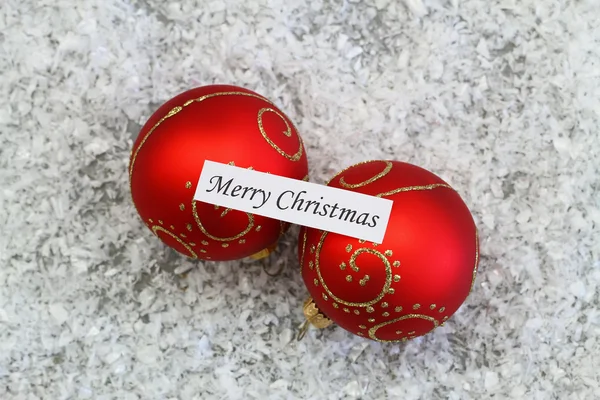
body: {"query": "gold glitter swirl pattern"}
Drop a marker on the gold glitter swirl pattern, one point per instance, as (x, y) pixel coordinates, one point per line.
(352, 262)
(158, 228)
(373, 330)
(222, 239)
(346, 169)
(476, 260)
(178, 109)
(303, 250)
(172, 112)
(386, 170)
(414, 189)
(288, 132)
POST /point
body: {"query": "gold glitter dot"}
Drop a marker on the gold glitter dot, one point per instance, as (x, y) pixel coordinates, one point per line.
(325, 297)
(364, 280)
(343, 266)
(404, 339)
(192, 244)
(346, 310)
(188, 185)
(316, 281)
(335, 305)
(311, 265)
(312, 249)
(151, 221)
(411, 332)
(258, 228)
(182, 206)
(416, 306)
(384, 305)
(349, 248)
(361, 241)
(442, 309)
(371, 319)
(160, 222)
(182, 235)
(356, 312)
(386, 314)
(432, 307)
(396, 263)
(242, 241)
(370, 309)
(232, 163)
(202, 251)
(189, 227)
(398, 309)
(225, 245)
(349, 278)
(204, 243)
(396, 278)
(362, 327)
(172, 227)
(388, 253)
(360, 334)
(445, 318)
(398, 332)
(391, 290)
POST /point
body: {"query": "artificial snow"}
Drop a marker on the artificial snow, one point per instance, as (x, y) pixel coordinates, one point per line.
(499, 98)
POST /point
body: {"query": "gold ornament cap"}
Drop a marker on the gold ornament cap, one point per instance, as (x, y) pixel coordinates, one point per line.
(264, 253)
(314, 317)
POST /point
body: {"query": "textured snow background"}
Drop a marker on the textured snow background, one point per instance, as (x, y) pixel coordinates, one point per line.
(501, 98)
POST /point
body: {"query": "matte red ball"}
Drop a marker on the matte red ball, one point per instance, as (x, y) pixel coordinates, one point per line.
(412, 282)
(221, 123)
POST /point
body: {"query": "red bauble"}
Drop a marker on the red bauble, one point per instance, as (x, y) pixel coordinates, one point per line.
(226, 124)
(412, 282)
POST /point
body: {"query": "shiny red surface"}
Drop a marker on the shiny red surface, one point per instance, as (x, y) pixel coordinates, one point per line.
(431, 233)
(222, 128)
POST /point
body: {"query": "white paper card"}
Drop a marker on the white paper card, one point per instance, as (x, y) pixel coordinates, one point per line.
(317, 206)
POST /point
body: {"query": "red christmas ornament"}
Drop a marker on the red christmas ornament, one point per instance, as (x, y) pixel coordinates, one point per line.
(413, 281)
(225, 124)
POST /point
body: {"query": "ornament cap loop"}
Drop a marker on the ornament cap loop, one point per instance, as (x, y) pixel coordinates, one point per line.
(303, 330)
